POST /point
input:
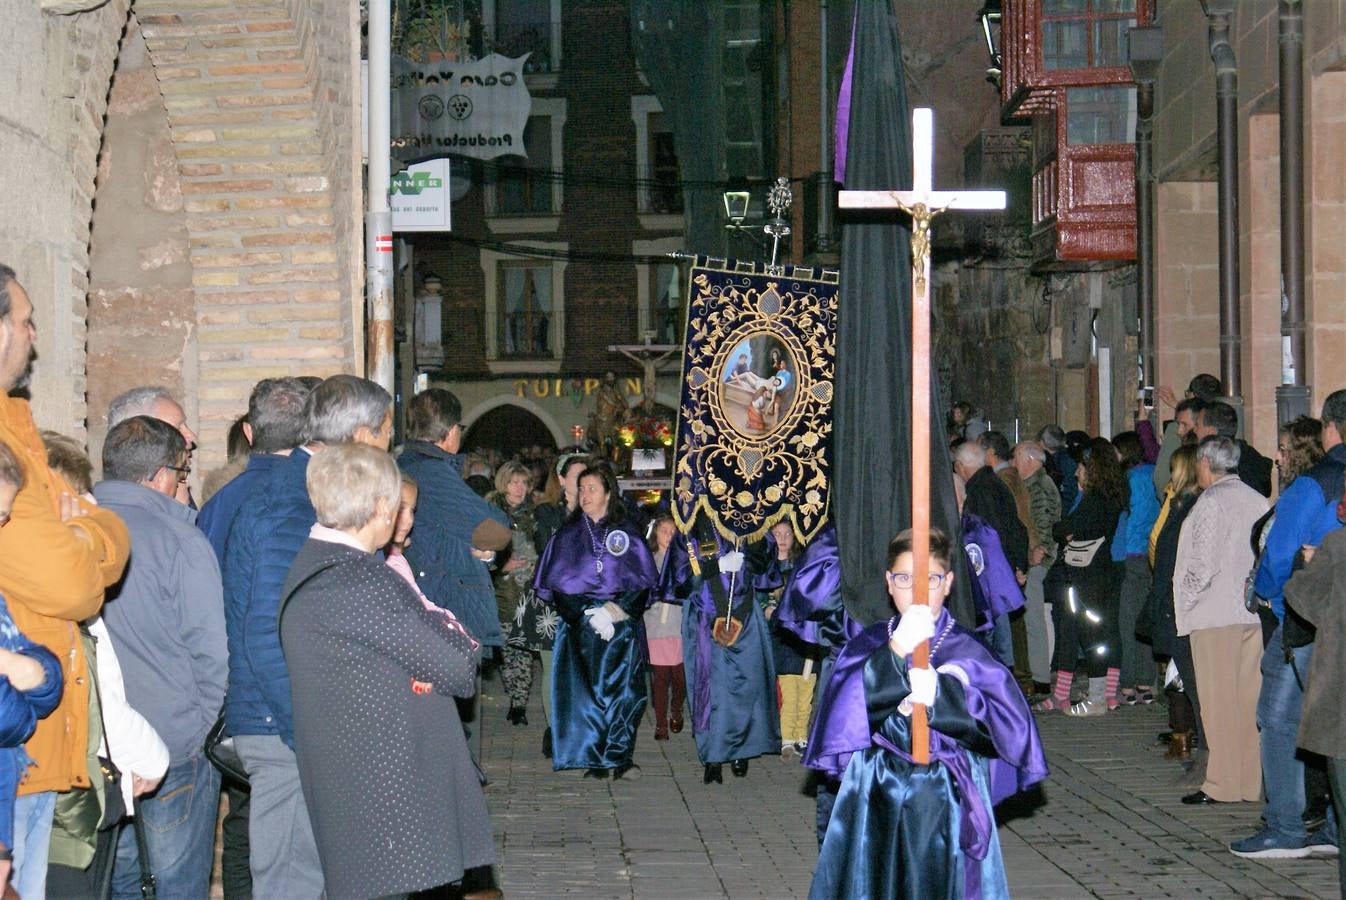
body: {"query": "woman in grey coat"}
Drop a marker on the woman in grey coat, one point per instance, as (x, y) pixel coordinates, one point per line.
(395, 800)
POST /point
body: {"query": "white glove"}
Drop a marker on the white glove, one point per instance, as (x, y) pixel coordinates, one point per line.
(731, 562)
(923, 682)
(600, 620)
(917, 624)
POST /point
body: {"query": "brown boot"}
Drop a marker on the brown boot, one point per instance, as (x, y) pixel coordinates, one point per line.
(1179, 746)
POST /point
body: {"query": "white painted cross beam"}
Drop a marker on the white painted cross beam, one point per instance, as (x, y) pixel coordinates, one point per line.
(922, 203)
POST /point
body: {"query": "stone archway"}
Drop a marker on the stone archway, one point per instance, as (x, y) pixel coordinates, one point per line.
(508, 428)
(225, 241)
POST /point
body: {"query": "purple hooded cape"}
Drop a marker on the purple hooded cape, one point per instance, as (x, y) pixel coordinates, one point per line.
(995, 590)
(842, 726)
(567, 564)
(812, 596)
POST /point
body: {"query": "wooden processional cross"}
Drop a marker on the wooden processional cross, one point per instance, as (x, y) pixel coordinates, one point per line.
(922, 203)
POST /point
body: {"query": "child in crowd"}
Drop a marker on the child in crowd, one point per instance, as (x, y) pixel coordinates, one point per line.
(663, 638)
(397, 561)
(795, 659)
(898, 828)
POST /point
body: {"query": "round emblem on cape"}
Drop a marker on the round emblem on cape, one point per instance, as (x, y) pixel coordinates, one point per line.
(976, 558)
(618, 542)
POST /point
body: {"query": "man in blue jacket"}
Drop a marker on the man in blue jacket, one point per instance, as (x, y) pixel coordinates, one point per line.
(456, 532)
(272, 523)
(274, 427)
(1305, 513)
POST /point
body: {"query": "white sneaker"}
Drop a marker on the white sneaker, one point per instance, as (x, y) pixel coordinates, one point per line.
(1088, 708)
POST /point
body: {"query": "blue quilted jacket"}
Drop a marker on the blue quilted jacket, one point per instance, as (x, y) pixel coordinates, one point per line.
(272, 523)
(447, 512)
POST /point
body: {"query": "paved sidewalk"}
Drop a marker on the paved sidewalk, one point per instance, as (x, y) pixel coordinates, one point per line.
(1108, 823)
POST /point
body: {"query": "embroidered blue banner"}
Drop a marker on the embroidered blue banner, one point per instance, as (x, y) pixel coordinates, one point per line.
(755, 417)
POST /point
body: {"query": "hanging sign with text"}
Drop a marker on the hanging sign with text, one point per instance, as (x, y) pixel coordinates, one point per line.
(476, 109)
(419, 197)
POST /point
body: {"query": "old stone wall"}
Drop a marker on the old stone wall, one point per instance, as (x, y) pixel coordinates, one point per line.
(50, 126)
(1187, 301)
(259, 104)
(987, 348)
(142, 314)
(226, 244)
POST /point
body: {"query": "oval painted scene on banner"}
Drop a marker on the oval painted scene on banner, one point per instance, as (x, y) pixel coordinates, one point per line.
(757, 384)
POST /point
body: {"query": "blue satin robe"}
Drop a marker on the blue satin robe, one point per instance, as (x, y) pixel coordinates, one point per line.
(598, 687)
(731, 690)
(899, 829)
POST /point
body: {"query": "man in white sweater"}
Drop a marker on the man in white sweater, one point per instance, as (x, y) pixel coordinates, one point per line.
(1214, 559)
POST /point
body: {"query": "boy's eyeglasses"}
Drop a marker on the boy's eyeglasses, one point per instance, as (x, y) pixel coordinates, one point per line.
(905, 580)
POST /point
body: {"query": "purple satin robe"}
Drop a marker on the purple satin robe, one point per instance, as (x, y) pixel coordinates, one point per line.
(842, 726)
(567, 565)
(812, 596)
(995, 590)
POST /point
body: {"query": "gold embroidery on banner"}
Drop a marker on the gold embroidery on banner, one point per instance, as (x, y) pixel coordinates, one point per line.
(758, 384)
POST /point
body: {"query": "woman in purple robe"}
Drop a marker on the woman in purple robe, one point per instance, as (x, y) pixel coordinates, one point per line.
(899, 828)
(597, 573)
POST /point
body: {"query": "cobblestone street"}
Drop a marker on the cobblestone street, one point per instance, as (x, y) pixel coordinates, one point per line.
(1108, 823)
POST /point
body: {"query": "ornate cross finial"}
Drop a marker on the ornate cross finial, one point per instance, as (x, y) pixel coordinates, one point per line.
(778, 200)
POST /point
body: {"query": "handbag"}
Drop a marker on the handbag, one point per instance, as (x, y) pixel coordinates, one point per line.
(219, 749)
(1080, 554)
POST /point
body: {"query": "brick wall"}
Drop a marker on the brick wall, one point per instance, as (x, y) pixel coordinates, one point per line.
(142, 316)
(267, 182)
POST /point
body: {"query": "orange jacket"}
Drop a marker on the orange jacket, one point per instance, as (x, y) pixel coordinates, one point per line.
(53, 578)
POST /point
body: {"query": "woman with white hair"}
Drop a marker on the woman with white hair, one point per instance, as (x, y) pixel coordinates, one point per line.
(395, 800)
(1214, 557)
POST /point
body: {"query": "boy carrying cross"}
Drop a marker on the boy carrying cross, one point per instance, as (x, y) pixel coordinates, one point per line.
(901, 829)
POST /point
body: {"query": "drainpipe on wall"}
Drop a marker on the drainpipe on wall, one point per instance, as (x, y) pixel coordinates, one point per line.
(826, 112)
(1145, 50)
(1293, 396)
(378, 219)
(1218, 13)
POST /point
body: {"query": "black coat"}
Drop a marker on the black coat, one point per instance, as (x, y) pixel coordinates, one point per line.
(1254, 469)
(1164, 626)
(989, 498)
(395, 800)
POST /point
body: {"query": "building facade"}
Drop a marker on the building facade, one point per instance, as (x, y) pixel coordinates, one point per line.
(181, 198)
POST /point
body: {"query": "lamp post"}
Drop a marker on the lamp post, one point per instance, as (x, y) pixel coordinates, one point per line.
(990, 17)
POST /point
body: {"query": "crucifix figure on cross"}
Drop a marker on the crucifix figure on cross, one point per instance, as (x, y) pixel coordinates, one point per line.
(922, 202)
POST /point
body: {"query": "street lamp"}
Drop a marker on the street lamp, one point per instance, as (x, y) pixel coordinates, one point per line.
(989, 16)
(736, 207)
